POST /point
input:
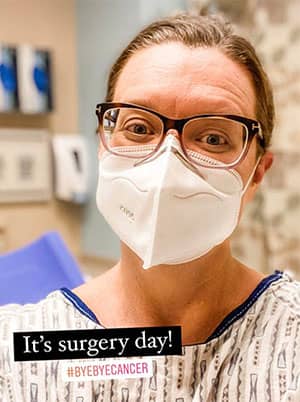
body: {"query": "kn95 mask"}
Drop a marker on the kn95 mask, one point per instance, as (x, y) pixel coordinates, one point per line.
(164, 209)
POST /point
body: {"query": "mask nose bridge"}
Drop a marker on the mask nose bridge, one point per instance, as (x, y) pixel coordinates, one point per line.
(172, 130)
(172, 142)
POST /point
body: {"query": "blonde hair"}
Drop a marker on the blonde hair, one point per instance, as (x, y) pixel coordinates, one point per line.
(205, 31)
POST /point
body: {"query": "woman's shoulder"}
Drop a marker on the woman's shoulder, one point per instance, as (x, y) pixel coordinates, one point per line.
(276, 308)
(285, 294)
(18, 312)
(55, 311)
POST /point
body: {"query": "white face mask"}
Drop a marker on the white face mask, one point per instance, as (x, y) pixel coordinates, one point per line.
(165, 210)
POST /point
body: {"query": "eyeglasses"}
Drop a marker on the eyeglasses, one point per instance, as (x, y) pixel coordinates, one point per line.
(208, 140)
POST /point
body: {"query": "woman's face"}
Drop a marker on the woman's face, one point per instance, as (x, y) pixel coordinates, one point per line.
(178, 82)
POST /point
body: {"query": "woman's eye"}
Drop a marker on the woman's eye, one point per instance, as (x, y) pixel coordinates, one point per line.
(214, 139)
(138, 129)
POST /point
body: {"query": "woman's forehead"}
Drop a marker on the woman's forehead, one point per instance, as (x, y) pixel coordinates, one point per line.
(177, 75)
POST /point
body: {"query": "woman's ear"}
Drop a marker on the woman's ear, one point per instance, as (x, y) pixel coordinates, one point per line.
(264, 164)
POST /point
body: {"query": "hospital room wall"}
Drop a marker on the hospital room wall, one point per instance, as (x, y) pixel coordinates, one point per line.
(46, 24)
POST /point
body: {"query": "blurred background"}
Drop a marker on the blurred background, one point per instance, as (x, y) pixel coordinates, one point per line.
(54, 59)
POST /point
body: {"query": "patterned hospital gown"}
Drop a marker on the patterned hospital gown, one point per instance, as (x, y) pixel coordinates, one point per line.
(253, 355)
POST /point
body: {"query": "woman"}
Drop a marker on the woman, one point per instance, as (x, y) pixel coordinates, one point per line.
(184, 138)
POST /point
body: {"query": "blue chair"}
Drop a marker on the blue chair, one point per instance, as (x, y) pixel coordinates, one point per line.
(30, 273)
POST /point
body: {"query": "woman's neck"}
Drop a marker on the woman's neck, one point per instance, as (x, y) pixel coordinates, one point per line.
(196, 295)
(173, 288)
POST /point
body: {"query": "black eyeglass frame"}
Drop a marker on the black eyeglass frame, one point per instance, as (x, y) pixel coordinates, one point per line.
(253, 128)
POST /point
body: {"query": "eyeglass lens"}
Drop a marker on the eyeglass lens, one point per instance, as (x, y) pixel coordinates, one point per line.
(215, 137)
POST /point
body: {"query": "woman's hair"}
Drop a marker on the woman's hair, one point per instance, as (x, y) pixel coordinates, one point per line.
(205, 31)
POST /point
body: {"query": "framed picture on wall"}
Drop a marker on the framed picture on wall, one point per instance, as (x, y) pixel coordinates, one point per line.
(25, 166)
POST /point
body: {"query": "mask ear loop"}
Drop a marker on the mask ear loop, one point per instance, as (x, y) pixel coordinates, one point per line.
(251, 176)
